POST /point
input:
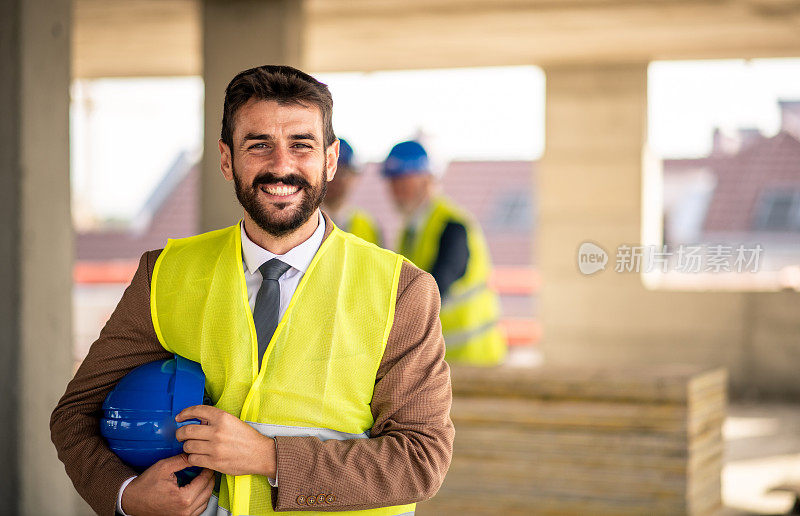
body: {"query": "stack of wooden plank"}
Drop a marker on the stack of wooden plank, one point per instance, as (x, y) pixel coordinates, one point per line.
(584, 441)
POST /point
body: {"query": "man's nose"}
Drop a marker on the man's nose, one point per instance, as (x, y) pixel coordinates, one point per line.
(282, 160)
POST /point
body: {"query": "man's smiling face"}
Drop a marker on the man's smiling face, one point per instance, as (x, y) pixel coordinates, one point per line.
(279, 163)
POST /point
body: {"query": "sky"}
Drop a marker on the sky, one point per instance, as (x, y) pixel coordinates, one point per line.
(126, 132)
(687, 99)
(124, 135)
(466, 114)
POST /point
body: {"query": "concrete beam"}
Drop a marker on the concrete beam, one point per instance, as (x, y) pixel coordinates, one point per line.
(137, 38)
(393, 34)
(162, 37)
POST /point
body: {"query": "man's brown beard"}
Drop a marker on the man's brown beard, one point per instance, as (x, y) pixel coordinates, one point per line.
(312, 198)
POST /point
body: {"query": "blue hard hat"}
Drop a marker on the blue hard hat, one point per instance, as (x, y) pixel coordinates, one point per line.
(406, 158)
(139, 414)
(347, 157)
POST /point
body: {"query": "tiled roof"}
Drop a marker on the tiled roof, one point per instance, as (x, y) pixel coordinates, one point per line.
(768, 163)
(745, 166)
(175, 217)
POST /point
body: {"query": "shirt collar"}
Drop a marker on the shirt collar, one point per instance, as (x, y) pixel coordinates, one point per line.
(298, 257)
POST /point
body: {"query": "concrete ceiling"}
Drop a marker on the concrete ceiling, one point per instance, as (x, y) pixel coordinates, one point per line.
(163, 37)
(113, 38)
(371, 35)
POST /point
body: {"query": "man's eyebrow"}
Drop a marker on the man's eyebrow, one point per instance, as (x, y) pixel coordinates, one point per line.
(256, 136)
(269, 138)
(304, 136)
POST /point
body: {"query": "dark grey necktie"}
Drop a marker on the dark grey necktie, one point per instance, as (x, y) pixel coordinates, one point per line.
(268, 301)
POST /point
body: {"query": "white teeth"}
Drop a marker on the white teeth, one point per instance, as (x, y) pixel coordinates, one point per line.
(280, 190)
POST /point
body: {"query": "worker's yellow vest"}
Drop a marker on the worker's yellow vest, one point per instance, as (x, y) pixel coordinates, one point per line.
(318, 373)
(470, 309)
(361, 224)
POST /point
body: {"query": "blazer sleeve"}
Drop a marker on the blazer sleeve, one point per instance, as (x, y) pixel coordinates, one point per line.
(127, 341)
(411, 442)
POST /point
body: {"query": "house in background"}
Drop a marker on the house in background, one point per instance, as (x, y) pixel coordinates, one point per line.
(171, 211)
(746, 191)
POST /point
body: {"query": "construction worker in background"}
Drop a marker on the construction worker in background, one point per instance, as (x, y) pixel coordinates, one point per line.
(442, 239)
(350, 219)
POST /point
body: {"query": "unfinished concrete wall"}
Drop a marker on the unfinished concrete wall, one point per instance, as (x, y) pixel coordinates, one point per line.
(591, 189)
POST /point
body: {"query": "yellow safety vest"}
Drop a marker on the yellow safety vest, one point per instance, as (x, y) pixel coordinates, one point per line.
(470, 309)
(318, 373)
(362, 225)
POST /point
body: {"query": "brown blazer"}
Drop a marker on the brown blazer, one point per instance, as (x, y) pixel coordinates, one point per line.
(405, 458)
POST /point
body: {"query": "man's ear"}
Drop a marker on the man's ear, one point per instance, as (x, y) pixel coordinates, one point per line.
(225, 160)
(332, 159)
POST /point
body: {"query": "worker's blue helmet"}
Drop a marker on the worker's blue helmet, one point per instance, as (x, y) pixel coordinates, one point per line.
(406, 158)
(347, 157)
(139, 414)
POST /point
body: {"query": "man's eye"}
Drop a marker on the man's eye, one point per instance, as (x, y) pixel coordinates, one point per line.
(302, 146)
(258, 146)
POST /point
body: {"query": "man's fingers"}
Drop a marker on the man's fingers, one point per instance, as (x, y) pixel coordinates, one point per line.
(200, 509)
(200, 488)
(201, 432)
(195, 447)
(202, 479)
(173, 464)
(201, 412)
(202, 501)
(200, 460)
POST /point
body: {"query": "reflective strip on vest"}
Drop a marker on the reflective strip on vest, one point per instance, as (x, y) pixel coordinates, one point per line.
(458, 339)
(451, 300)
(213, 509)
(323, 434)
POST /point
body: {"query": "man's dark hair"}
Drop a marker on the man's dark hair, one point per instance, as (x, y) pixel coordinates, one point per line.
(283, 84)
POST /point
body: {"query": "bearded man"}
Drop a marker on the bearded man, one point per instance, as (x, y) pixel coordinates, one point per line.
(323, 354)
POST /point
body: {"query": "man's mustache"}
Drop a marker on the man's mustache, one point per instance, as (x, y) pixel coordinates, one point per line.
(291, 180)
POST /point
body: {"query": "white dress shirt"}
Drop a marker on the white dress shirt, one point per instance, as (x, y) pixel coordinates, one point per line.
(299, 258)
(253, 257)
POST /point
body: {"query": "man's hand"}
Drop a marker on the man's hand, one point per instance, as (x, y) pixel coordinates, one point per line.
(156, 491)
(225, 443)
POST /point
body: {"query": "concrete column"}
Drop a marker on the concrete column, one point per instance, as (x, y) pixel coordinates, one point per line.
(591, 179)
(35, 250)
(238, 34)
(591, 188)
